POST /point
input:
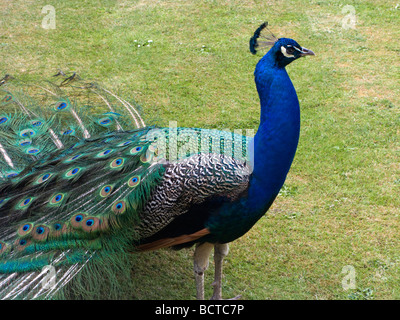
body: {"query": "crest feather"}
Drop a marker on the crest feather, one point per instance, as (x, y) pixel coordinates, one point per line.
(255, 43)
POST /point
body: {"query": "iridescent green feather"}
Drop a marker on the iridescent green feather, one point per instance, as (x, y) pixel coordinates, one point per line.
(77, 202)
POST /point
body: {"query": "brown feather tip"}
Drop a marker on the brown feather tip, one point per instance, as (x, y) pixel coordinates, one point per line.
(169, 242)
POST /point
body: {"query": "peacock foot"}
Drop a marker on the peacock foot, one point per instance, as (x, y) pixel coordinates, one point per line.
(218, 293)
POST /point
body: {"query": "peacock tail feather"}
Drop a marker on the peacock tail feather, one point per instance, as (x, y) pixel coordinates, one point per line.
(37, 119)
(78, 191)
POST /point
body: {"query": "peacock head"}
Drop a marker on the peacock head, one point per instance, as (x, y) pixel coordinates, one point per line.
(283, 51)
(287, 50)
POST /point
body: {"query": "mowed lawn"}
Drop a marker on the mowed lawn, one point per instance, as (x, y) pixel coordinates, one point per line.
(333, 233)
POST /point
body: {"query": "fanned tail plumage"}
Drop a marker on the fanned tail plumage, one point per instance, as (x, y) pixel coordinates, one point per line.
(37, 119)
(75, 188)
(49, 219)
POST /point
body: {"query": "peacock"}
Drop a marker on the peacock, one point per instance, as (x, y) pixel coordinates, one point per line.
(85, 183)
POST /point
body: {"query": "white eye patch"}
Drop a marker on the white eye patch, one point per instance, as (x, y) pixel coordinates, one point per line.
(284, 52)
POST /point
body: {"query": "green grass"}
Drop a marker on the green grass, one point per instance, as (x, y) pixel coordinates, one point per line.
(340, 205)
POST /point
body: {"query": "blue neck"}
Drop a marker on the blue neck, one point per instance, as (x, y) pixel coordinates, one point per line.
(274, 148)
(276, 140)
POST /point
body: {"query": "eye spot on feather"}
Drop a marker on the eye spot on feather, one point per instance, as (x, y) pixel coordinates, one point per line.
(106, 191)
(7, 98)
(3, 120)
(57, 199)
(36, 123)
(119, 207)
(61, 105)
(77, 156)
(136, 150)
(91, 224)
(72, 173)
(12, 175)
(117, 163)
(27, 133)
(105, 122)
(57, 229)
(41, 233)
(32, 151)
(21, 244)
(25, 229)
(76, 220)
(43, 178)
(104, 153)
(123, 144)
(39, 230)
(68, 132)
(134, 181)
(25, 143)
(25, 203)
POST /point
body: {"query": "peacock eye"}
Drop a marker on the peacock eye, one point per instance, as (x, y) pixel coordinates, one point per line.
(105, 121)
(44, 178)
(25, 143)
(39, 230)
(3, 120)
(117, 163)
(134, 181)
(27, 133)
(71, 173)
(36, 123)
(106, 191)
(61, 105)
(119, 207)
(57, 198)
(290, 50)
(25, 203)
(32, 151)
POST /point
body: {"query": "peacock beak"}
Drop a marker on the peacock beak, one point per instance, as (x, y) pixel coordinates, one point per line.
(306, 52)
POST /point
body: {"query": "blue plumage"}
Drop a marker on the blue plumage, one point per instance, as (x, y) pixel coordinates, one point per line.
(275, 144)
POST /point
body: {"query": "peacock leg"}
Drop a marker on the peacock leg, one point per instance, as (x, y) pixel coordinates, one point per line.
(201, 259)
(220, 252)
